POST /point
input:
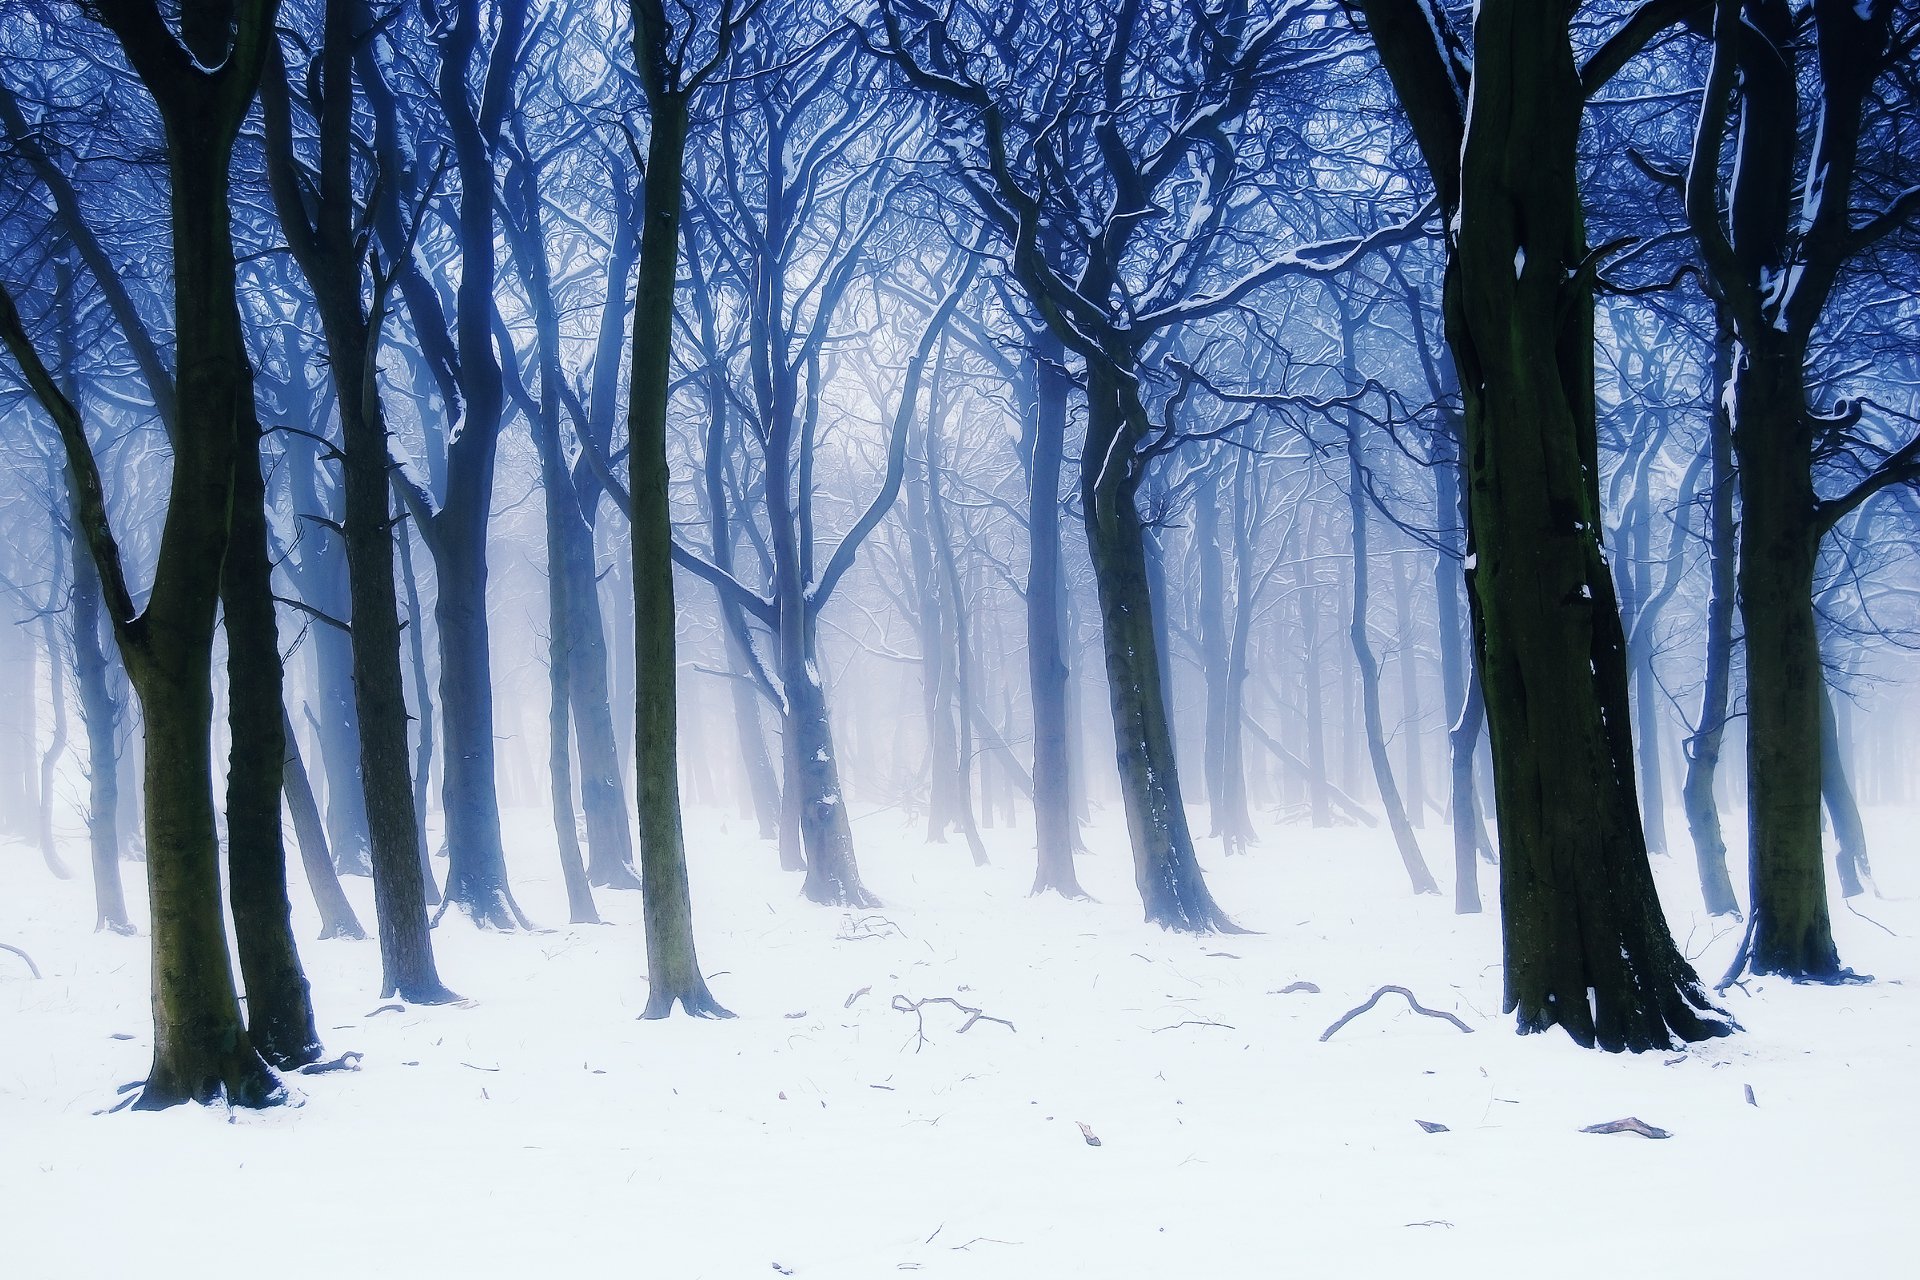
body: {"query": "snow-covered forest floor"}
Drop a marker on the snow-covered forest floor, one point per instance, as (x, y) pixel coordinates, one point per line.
(545, 1131)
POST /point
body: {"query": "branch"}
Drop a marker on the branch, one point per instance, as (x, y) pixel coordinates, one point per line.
(843, 555)
(1374, 999)
(89, 494)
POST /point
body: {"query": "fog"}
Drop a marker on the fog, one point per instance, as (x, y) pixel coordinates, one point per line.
(1326, 479)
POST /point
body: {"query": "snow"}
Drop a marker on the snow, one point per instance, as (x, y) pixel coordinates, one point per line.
(546, 1131)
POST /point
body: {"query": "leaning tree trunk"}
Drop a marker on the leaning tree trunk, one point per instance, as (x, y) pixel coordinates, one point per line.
(337, 919)
(1587, 947)
(1850, 859)
(1172, 890)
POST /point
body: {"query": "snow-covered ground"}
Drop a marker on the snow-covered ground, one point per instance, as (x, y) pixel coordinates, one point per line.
(545, 1131)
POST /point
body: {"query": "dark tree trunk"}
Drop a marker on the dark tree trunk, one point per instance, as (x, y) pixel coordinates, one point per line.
(1172, 889)
(1587, 946)
(201, 1049)
(1790, 931)
(279, 1009)
(673, 966)
(477, 865)
(331, 261)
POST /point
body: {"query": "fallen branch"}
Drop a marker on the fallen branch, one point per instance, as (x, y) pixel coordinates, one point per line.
(32, 968)
(914, 1007)
(1292, 987)
(1374, 999)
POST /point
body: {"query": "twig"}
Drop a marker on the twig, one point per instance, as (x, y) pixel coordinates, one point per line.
(1194, 1022)
(1846, 902)
(1374, 999)
(1292, 987)
(914, 1007)
(31, 966)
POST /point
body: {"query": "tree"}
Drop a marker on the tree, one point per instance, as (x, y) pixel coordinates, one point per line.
(1777, 229)
(202, 78)
(320, 217)
(1586, 945)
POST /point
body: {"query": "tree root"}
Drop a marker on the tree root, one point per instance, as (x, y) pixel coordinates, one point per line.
(1374, 999)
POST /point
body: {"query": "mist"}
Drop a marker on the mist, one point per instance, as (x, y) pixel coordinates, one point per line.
(994, 638)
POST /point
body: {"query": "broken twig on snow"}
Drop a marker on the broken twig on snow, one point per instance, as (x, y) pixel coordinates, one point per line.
(914, 1007)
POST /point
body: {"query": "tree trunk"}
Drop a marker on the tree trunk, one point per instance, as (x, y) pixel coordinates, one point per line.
(391, 794)
(1587, 947)
(279, 1009)
(1172, 890)
(56, 745)
(1851, 834)
(101, 714)
(1790, 932)
(1047, 676)
(1362, 644)
(337, 919)
(1702, 749)
(673, 965)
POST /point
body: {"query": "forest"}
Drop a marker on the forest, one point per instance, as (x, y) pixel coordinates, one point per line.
(1321, 592)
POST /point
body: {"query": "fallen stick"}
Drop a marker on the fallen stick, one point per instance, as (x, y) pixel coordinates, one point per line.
(914, 1007)
(32, 968)
(1374, 999)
